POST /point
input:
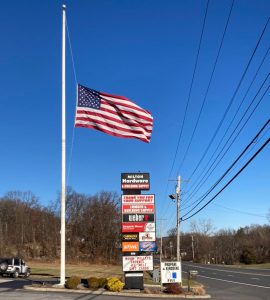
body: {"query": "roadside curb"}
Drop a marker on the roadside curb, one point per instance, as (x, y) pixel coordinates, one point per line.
(104, 292)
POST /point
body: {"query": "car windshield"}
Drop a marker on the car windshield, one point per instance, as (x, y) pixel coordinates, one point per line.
(7, 260)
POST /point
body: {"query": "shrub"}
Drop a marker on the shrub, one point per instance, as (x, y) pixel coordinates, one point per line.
(114, 284)
(93, 283)
(73, 282)
(102, 282)
(198, 290)
(173, 288)
(247, 256)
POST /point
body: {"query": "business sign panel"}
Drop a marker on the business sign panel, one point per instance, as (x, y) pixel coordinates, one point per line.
(147, 236)
(138, 208)
(129, 237)
(138, 217)
(138, 199)
(135, 181)
(138, 227)
(137, 263)
(148, 246)
(130, 246)
(171, 272)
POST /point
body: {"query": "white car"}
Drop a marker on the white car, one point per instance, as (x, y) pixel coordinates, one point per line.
(14, 267)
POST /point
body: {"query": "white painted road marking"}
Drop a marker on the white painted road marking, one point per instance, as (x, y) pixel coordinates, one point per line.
(222, 270)
(236, 282)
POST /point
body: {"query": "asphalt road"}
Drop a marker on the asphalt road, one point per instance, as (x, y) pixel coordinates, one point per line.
(11, 289)
(222, 283)
(226, 283)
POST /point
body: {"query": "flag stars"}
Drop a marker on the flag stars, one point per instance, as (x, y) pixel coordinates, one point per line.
(88, 98)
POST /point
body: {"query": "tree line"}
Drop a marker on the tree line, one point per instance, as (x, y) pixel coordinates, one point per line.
(30, 230)
(250, 244)
(93, 232)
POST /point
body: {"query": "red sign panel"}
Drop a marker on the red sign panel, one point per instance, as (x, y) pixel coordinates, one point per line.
(138, 208)
(138, 227)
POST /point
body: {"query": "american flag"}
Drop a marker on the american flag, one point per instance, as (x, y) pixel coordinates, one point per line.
(114, 115)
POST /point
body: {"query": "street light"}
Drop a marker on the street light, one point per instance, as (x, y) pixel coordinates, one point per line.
(173, 196)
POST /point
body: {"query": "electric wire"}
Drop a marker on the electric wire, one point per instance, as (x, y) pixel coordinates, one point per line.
(208, 87)
(231, 101)
(199, 185)
(240, 212)
(188, 100)
(230, 124)
(231, 166)
(207, 174)
(190, 88)
(230, 181)
(228, 170)
(244, 157)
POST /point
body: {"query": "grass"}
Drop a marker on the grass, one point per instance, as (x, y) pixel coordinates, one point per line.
(83, 270)
(47, 270)
(148, 280)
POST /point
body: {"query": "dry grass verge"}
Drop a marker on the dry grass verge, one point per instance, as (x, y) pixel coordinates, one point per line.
(83, 270)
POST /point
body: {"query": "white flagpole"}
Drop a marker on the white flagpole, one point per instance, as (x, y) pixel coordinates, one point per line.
(63, 169)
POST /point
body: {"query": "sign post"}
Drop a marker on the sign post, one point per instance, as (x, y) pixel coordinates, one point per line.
(138, 228)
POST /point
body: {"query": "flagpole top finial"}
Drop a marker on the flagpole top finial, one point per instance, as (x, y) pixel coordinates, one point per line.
(64, 6)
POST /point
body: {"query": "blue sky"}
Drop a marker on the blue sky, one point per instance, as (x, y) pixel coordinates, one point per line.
(146, 51)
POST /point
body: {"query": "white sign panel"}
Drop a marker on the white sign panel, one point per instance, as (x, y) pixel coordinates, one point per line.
(171, 272)
(137, 263)
(138, 199)
(150, 227)
(147, 236)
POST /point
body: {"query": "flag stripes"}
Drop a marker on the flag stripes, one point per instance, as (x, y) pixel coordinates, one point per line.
(114, 115)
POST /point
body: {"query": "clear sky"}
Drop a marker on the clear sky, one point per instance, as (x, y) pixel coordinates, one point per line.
(146, 51)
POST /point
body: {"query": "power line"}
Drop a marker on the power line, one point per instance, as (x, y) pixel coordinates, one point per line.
(230, 124)
(189, 95)
(190, 88)
(231, 101)
(240, 211)
(206, 173)
(231, 166)
(259, 139)
(230, 181)
(208, 87)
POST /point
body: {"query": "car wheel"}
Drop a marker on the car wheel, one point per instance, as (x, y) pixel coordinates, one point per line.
(27, 274)
(3, 266)
(15, 274)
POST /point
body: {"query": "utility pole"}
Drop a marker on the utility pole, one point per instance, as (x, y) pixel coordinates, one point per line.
(178, 219)
(176, 197)
(192, 246)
